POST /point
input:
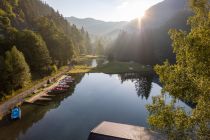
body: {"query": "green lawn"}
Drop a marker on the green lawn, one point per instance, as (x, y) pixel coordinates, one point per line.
(84, 58)
(112, 68)
(121, 67)
(80, 69)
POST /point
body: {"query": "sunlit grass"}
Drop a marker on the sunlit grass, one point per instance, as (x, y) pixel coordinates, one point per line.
(121, 67)
(80, 69)
(112, 68)
(84, 58)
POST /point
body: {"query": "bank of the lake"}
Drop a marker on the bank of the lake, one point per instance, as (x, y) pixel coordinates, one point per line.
(115, 67)
(86, 64)
(33, 89)
(93, 98)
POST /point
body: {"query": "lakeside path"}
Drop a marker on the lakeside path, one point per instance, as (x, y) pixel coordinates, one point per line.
(20, 98)
(43, 93)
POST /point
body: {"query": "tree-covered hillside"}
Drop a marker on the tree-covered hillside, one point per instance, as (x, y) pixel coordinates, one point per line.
(42, 38)
(149, 43)
(98, 28)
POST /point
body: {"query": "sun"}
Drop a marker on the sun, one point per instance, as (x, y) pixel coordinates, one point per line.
(141, 15)
(131, 9)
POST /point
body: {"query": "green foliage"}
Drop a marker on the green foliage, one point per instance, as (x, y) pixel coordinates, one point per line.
(168, 119)
(2, 12)
(59, 45)
(99, 48)
(14, 2)
(16, 72)
(5, 21)
(133, 47)
(188, 79)
(8, 39)
(35, 50)
(121, 67)
(43, 35)
(88, 44)
(54, 68)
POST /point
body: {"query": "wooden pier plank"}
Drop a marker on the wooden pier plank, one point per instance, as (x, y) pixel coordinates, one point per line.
(116, 131)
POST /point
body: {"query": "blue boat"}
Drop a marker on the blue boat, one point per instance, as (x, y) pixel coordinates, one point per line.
(16, 113)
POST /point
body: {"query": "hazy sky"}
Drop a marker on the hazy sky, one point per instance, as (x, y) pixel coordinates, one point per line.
(107, 10)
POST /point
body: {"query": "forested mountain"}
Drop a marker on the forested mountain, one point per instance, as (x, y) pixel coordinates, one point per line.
(98, 27)
(160, 13)
(39, 38)
(150, 44)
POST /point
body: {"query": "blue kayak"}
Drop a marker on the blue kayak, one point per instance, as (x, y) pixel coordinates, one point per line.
(16, 113)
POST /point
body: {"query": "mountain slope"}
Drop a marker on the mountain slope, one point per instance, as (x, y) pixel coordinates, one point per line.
(98, 27)
(160, 13)
(40, 36)
(151, 44)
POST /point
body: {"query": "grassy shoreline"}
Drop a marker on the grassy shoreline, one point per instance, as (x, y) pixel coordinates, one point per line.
(32, 84)
(118, 67)
(115, 67)
(80, 59)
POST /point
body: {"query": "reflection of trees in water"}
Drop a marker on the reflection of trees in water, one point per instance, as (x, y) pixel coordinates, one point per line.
(31, 114)
(143, 83)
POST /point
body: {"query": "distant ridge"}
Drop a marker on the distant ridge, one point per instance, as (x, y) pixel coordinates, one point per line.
(98, 27)
(160, 13)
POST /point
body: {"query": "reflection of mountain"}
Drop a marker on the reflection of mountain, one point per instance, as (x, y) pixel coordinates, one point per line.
(143, 84)
(32, 114)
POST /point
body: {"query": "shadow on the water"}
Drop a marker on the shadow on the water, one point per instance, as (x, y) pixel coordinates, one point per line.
(32, 114)
(143, 83)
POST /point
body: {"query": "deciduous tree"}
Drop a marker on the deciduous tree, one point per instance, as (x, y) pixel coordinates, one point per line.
(188, 79)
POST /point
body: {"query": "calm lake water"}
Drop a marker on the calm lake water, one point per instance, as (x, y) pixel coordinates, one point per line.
(93, 98)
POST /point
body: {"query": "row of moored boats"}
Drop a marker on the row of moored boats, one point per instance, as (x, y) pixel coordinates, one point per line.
(62, 87)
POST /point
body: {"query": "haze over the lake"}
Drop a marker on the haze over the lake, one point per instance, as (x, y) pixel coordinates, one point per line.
(107, 10)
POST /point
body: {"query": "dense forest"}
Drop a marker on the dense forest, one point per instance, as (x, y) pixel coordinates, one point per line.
(150, 43)
(34, 41)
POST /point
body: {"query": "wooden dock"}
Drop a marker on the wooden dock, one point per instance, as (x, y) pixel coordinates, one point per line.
(116, 131)
(43, 95)
(19, 99)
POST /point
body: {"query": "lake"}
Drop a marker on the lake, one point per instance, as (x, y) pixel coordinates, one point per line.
(93, 98)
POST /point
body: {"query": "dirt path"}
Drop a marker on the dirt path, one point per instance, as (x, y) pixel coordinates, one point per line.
(19, 99)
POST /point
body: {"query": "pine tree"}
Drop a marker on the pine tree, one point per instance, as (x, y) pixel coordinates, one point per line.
(16, 70)
(188, 79)
(99, 48)
(35, 50)
(88, 43)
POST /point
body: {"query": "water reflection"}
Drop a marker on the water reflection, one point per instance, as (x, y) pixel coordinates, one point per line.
(32, 113)
(143, 83)
(92, 99)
